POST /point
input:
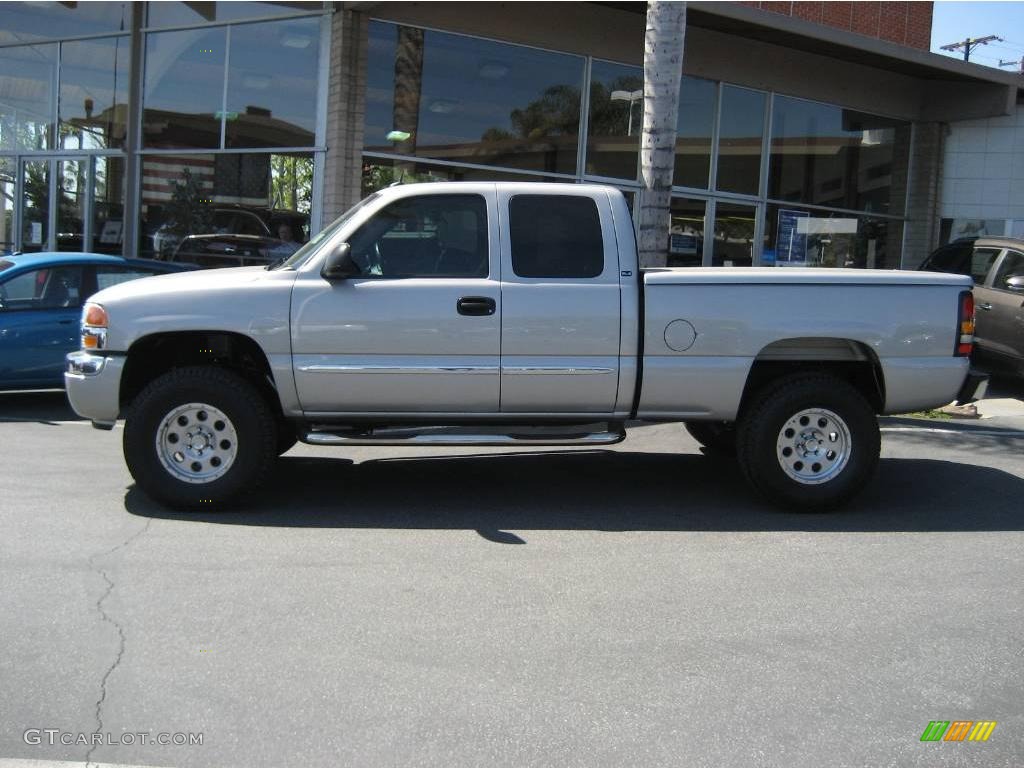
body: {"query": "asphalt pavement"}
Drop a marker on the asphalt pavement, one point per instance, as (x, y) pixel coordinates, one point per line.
(625, 607)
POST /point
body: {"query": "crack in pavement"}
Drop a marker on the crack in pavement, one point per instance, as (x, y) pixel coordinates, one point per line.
(120, 632)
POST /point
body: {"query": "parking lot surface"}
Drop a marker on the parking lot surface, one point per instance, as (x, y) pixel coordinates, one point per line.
(624, 607)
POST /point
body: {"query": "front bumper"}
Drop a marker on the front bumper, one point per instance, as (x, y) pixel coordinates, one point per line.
(974, 388)
(93, 384)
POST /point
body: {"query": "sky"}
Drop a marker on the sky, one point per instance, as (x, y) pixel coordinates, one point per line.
(954, 20)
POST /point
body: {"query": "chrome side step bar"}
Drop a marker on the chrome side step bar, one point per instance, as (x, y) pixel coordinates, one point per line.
(469, 436)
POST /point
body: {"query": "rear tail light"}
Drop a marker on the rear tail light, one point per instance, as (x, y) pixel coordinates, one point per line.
(965, 325)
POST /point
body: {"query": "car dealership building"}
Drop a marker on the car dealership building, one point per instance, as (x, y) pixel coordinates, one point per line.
(810, 133)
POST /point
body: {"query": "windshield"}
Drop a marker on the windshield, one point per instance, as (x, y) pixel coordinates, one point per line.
(300, 256)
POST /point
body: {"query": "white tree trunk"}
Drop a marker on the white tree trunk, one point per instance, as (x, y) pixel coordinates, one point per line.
(663, 71)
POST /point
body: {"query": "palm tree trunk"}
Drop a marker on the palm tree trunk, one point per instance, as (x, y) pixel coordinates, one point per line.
(663, 70)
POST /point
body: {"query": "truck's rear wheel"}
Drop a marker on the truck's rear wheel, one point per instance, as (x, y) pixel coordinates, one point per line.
(719, 437)
(199, 437)
(808, 442)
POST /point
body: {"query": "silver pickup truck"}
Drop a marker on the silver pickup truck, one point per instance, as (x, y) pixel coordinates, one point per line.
(512, 314)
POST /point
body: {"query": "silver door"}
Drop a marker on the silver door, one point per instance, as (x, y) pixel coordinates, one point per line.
(419, 331)
(560, 306)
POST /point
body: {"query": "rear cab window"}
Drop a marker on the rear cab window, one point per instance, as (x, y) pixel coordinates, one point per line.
(555, 236)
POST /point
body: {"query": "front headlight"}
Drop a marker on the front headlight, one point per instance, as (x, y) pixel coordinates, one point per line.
(94, 326)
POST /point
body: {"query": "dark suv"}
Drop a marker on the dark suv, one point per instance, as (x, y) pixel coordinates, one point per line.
(997, 266)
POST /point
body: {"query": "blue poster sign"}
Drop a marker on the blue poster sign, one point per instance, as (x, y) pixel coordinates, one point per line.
(790, 243)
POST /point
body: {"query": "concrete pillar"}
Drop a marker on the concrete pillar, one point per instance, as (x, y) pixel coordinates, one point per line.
(921, 234)
(346, 107)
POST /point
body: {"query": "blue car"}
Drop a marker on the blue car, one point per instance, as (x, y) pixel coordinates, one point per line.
(41, 297)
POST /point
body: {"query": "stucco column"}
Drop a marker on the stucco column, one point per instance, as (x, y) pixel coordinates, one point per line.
(921, 235)
(346, 107)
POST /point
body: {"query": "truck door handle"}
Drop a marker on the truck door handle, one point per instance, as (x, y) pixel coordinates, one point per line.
(985, 306)
(476, 305)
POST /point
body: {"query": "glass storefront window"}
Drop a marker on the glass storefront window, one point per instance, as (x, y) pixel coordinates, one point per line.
(733, 245)
(686, 232)
(451, 97)
(694, 125)
(94, 93)
(35, 212)
(29, 22)
(184, 88)
(615, 120)
(226, 209)
(798, 237)
(379, 173)
(174, 14)
(739, 140)
(26, 96)
(272, 84)
(7, 203)
(827, 155)
(108, 205)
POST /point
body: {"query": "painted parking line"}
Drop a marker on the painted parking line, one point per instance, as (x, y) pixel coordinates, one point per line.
(10, 763)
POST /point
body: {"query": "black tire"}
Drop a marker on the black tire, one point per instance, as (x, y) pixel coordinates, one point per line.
(719, 437)
(286, 437)
(247, 414)
(763, 437)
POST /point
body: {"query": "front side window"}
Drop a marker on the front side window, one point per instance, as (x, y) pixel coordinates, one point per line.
(555, 236)
(1012, 266)
(428, 236)
(46, 288)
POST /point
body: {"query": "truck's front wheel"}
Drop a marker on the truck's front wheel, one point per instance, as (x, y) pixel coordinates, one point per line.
(198, 437)
(808, 442)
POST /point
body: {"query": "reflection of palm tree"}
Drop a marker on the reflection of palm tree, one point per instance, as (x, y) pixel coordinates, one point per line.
(408, 87)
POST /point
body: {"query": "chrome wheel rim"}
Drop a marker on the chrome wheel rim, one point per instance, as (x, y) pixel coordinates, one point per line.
(814, 446)
(196, 443)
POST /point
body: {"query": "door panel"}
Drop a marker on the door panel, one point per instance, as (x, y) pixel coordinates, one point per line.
(394, 345)
(39, 326)
(419, 330)
(560, 331)
(1005, 324)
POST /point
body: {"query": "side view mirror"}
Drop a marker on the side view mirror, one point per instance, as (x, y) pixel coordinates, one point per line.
(339, 264)
(1015, 283)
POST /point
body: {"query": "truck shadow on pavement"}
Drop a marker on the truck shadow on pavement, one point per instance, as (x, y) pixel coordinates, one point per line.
(600, 491)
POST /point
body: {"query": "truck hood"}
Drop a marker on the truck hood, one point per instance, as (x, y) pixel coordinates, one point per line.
(245, 300)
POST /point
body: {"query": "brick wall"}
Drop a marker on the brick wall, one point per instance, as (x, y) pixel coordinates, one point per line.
(906, 23)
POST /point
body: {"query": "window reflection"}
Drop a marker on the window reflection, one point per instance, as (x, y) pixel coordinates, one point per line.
(31, 21)
(810, 238)
(272, 77)
(173, 14)
(379, 173)
(94, 93)
(694, 127)
(184, 88)
(686, 232)
(226, 209)
(739, 143)
(615, 121)
(7, 203)
(734, 235)
(827, 155)
(26, 96)
(450, 97)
